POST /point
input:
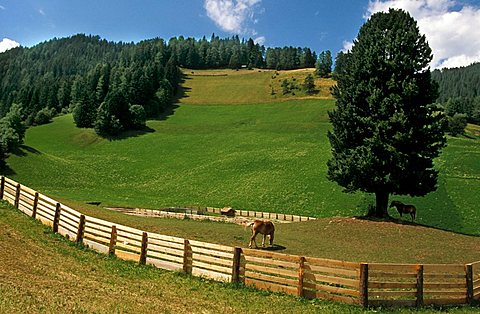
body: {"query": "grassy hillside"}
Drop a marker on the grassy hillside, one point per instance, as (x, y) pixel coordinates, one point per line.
(260, 156)
(248, 86)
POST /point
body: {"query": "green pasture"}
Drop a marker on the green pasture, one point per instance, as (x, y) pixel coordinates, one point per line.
(258, 156)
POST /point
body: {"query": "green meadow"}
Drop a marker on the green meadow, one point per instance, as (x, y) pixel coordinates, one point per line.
(266, 156)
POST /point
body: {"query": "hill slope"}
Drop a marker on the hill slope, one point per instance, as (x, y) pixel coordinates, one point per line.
(269, 156)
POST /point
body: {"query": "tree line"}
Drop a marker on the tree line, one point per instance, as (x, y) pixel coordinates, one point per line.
(235, 53)
(459, 96)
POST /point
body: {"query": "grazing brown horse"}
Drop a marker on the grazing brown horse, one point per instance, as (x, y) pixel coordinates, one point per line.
(264, 227)
(404, 209)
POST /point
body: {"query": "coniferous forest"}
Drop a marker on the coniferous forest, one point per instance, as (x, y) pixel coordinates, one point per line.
(111, 86)
(459, 92)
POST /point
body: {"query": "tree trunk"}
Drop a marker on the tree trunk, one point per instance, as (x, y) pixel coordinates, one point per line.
(381, 204)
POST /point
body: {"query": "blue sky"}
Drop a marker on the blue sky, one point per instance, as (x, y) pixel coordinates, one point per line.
(452, 26)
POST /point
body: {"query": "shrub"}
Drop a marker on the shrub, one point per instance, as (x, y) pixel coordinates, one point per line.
(457, 124)
(138, 116)
(44, 116)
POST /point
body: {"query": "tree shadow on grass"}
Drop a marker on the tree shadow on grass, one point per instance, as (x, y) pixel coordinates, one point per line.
(128, 134)
(24, 150)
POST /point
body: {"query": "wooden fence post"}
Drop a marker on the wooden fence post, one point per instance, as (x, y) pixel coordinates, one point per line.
(301, 275)
(17, 196)
(469, 278)
(187, 257)
(2, 187)
(419, 294)
(143, 252)
(363, 285)
(113, 240)
(56, 218)
(81, 229)
(35, 204)
(237, 253)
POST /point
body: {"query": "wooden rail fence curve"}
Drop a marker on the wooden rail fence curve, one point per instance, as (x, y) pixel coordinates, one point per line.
(365, 284)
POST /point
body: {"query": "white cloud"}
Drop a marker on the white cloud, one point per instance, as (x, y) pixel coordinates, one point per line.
(232, 15)
(451, 27)
(2, 7)
(41, 12)
(260, 40)
(347, 46)
(7, 44)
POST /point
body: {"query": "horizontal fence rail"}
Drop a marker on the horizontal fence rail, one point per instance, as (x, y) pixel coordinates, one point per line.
(373, 284)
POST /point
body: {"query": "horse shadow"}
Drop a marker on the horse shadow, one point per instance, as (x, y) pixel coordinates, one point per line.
(274, 247)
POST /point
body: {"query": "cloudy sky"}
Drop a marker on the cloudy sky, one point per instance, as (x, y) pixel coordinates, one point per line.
(452, 27)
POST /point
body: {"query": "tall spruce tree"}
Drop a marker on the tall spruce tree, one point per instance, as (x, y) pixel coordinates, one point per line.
(385, 132)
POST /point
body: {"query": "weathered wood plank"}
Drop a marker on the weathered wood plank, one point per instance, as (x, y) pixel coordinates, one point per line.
(433, 293)
(392, 275)
(331, 263)
(128, 256)
(335, 271)
(164, 250)
(445, 285)
(128, 240)
(97, 227)
(96, 238)
(263, 285)
(65, 213)
(129, 230)
(267, 254)
(332, 280)
(67, 233)
(168, 257)
(212, 252)
(211, 246)
(129, 235)
(95, 246)
(164, 264)
(390, 294)
(176, 244)
(221, 269)
(122, 245)
(269, 261)
(444, 268)
(96, 221)
(210, 259)
(277, 271)
(274, 279)
(392, 285)
(332, 289)
(446, 301)
(396, 268)
(90, 230)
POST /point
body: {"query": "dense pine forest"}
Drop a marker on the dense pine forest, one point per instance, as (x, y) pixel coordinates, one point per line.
(459, 90)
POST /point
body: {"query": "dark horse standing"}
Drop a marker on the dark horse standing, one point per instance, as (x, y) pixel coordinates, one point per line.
(404, 209)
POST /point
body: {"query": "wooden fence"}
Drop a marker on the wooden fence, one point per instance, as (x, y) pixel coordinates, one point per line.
(193, 212)
(365, 284)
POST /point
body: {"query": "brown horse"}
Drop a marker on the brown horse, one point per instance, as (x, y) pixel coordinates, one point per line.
(404, 209)
(264, 227)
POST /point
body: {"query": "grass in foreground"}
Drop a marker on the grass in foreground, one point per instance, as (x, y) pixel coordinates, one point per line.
(45, 273)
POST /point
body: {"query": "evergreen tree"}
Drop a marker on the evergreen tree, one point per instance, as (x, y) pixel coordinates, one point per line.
(324, 64)
(385, 132)
(309, 84)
